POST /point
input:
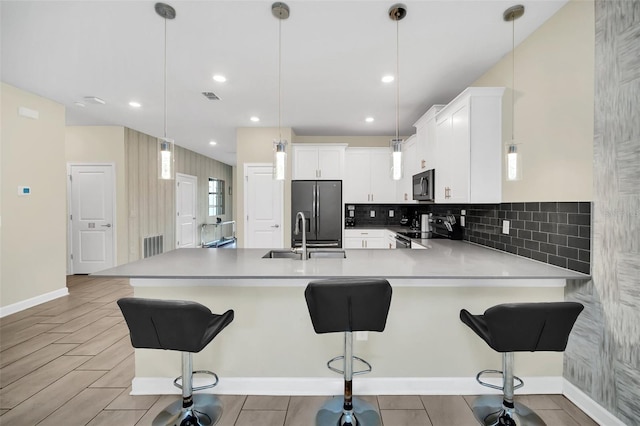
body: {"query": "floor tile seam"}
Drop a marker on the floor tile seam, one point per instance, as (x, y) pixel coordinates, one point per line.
(5, 325)
(78, 318)
(33, 369)
(62, 406)
(36, 370)
(55, 341)
(102, 409)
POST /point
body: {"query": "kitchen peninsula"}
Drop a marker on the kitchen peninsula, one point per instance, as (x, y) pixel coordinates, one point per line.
(271, 347)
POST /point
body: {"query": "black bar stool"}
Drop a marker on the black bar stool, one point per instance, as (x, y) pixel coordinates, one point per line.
(518, 327)
(183, 326)
(343, 305)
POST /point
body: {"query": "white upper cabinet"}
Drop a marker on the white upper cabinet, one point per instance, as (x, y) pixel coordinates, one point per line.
(426, 139)
(367, 177)
(321, 162)
(468, 160)
(404, 186)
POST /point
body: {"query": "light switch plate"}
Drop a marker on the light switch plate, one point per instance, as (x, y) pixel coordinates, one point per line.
(372, 213)
(462, 221)
(463, 212)
(391, 213)
(505, 227)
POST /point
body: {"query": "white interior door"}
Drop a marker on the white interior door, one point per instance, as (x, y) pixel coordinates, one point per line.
(92, 228)
(264, 203)
(186, 205)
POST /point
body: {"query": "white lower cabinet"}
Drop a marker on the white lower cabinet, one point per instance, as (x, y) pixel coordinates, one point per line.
(364, 238)
(390, 239)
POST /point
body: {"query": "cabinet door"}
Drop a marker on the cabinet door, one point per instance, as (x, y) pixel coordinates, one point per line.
(305, 163)
(374, 243)
(442, 165)
(383, 187)
(330, 163)
(459, 167)
(404, 187)
(356, 183)
(353, 243)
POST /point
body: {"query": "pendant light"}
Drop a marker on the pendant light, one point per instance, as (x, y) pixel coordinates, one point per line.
(514, 159)
(397, 12)
(281, 11)
(165, 145)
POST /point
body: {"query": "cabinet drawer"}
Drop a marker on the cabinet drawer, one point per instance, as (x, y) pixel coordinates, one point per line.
(364, 233)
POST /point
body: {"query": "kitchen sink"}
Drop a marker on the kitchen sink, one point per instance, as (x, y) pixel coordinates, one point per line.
(288, 254)
(282, 254)
(328, 254)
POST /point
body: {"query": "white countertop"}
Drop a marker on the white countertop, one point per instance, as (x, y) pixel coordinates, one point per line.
(443, 259)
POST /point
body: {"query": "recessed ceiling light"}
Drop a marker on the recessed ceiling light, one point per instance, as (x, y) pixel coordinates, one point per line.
(219, 78)
(134, 104)
(79, 104)
(369, 119)
(388, 79)
(213, 143)
(255, 119)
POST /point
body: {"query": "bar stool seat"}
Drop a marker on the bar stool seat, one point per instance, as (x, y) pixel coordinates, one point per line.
(183, 326)
(518, 327)
(348, 305)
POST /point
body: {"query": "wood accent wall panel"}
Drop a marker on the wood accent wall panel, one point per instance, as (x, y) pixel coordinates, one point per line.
(151, 201)
(603, 356)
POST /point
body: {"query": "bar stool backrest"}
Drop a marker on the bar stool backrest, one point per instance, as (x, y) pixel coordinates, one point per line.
(339, 305)
(531, 327)
(171, 324)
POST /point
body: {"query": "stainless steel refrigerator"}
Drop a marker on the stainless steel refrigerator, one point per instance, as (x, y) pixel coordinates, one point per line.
(321, 203)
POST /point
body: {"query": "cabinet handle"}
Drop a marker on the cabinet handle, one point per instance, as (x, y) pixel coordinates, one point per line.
(371, 197)
(423, 164)
(320, 173)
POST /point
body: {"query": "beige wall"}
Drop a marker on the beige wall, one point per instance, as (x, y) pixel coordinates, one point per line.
(104, 144)
(33, 247)
(255, 145)
(554, 70)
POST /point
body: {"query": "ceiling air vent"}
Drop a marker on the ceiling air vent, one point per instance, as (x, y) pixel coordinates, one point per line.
(211, 96)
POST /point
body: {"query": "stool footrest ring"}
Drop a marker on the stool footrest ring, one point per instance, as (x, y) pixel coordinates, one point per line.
(492, 386)
(209, 386)
(355, 373)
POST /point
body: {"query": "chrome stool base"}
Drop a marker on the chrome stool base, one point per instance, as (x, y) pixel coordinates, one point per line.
(330, 414)
(490, 411)
(205, 411)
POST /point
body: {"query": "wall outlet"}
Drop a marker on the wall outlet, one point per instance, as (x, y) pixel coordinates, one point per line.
(463, 212)
(351, 213)
(391, 213)
(372, 213)
(505, 227)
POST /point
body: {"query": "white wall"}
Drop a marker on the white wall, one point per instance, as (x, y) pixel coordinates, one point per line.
(554, 70)
(352, 141)
(33, 247)
(103, 144)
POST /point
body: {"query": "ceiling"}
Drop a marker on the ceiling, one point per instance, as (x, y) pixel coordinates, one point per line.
(334, 55)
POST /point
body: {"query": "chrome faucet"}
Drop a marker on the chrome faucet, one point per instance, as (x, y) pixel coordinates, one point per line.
(296, 231)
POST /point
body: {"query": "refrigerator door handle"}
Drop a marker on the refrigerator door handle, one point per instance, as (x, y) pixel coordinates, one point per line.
(318, 209)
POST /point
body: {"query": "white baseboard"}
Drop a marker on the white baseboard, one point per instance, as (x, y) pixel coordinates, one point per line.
(29, 303)
(584, 402)
(333, 386)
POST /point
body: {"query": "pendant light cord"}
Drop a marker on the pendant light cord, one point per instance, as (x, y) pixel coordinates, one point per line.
(165, 78)
(397, 77)
(513, 79)
(280, 79)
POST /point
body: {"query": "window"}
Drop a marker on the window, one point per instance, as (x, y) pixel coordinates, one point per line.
(216, 197)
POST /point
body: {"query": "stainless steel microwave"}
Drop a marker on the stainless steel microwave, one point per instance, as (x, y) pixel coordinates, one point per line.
(424, 186)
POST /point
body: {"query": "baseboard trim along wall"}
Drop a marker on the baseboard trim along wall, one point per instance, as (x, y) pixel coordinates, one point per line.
(332, 386)
(594, 410)
(29, 303)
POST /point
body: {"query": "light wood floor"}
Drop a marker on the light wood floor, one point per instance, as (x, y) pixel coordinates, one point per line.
(70, 362)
